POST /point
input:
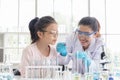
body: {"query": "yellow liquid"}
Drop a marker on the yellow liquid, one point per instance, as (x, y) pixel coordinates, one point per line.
(104, 76)
(76, 78)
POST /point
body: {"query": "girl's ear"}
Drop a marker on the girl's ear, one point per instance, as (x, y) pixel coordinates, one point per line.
(39, 34)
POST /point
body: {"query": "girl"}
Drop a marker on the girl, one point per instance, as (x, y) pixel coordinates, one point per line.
(40, 52)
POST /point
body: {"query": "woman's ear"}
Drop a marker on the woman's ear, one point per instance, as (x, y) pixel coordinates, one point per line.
(97, 34)
(94, 36)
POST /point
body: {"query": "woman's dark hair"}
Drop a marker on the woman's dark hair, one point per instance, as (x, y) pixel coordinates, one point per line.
(41, 24)
(92, 23)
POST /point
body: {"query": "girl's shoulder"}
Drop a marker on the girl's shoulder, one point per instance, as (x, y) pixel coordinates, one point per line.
(31, 45)
(30, 48)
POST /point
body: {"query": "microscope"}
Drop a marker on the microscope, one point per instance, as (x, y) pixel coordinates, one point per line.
(104, 60)
(104, 69)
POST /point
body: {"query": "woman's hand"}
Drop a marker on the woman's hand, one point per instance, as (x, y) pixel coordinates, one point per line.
(61, 48)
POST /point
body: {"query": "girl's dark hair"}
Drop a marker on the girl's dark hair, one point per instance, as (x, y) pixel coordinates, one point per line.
(41, 24)
(92, 23)
(32, 28)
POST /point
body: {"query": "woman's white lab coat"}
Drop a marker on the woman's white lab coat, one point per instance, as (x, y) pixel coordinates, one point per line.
(94, 53)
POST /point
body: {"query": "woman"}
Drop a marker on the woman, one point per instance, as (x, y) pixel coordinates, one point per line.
(84, 46)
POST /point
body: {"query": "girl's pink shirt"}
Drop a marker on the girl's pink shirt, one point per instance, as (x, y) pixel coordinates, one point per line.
(32, 57)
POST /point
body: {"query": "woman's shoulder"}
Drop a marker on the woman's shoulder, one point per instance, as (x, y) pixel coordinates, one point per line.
(71, 37)
(73, 34)
(99, 42)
